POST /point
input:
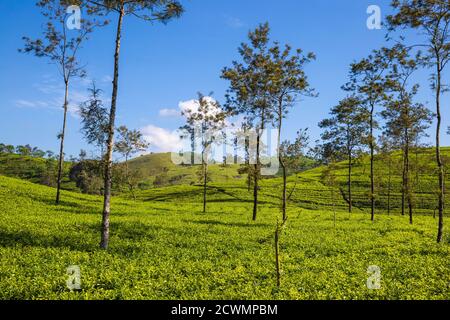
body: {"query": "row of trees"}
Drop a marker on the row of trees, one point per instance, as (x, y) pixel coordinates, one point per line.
(385, 83)
(381, 86)
(85, 171)
(25, 150)
(263, 86)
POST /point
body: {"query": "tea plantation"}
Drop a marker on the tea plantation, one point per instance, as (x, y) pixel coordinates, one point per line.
(164, 247)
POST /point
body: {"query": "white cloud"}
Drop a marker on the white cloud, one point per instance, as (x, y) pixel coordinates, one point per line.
(162, 140)
(169, 113)
(188, 105)
(193, 105)
(107, 78)
(214, 108)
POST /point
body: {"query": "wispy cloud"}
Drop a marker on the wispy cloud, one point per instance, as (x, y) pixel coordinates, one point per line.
(52, 95)
(234, 22)
(107, 78)
(169, 113)
(21, 103)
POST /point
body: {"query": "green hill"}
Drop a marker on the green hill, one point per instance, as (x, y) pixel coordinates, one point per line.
(33, 169)
(150, 168)
(423, 182)
(160, 166)
(23, 167)
(306, 189)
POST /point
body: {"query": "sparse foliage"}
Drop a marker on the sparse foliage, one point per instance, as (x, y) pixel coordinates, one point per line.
(431, 20)
(60, 46)
(94, 119)
(129, 143)
(208, 119)
(344, 132)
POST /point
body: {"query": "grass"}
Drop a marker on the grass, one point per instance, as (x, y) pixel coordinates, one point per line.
(163, 247)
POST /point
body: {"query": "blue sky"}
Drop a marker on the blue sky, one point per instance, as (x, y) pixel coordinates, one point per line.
(162, 66)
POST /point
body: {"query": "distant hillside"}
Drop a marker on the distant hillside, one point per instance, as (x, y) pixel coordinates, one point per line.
(306, 189)
(33, 169)
(153, 167)
(24, 167)
(159, 170)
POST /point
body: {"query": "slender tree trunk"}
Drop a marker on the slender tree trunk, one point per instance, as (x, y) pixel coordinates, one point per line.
(256, 177)
(109, 153)
(404, 184)
(61, 149)
(205, 181)
(407, 179)
(389, 185)
(372, 184)
(247, 162)
(350, 165)
(257, 168)
(438, 155)
(283, 167)
(277, 255)
(284, 205)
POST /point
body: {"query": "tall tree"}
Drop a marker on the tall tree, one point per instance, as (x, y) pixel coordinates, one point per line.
(406, 120)
(288, 82)
(368, 85)
(345, 131)
(147, 10)
(250, 91)
(129, 143)
(60, 44)
(431, 19)
(208, 119)
(94, 119)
